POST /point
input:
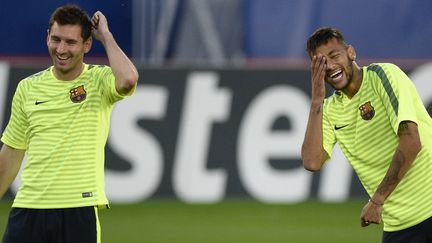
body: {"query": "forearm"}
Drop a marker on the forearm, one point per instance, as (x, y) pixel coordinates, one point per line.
(124, 70)
(10, 163)
(406, 152)
(313, 153)
(6, 179)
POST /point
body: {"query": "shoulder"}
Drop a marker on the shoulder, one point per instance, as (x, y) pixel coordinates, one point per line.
(383, 68)
(384, 74)
(38, 75)
(98, 68)
(34, 78)
(99, 72)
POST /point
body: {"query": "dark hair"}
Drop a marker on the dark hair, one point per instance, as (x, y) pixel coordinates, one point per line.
(74, 15)
(321, 36)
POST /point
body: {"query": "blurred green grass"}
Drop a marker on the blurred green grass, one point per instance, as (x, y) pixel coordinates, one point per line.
(233, 221)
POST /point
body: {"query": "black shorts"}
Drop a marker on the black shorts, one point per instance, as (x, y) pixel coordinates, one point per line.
(68, 225)
(419, 233)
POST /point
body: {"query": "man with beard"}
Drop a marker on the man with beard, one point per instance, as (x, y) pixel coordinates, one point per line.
(60, 117)
(382, 127)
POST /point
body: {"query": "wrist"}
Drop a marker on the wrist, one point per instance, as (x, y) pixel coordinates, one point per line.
(106, 37)
(317, 102)
(375, 202)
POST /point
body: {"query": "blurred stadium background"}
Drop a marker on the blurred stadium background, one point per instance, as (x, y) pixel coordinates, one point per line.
(208, 149)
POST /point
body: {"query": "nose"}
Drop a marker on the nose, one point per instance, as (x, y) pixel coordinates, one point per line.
(330, 64)
(60, 47)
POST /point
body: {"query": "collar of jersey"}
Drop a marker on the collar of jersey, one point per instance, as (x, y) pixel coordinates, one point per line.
(70, 81)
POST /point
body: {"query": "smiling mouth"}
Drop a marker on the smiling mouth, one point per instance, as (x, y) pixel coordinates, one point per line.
(336, 75)
(62, 58)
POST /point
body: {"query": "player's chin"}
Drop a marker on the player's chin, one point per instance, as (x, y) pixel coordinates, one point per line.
(340, 85)
(60, 66)
(335, 87)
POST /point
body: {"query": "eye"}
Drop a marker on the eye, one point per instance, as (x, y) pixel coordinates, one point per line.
(55, 39)
(336, 55)
(71, 42)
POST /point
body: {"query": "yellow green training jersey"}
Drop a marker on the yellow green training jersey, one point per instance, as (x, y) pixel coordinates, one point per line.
(366, 126)
(63, 126)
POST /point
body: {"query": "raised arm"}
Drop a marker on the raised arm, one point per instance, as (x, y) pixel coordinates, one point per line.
(313, 153)
(406, 152)
(124, 70)
(10, 163)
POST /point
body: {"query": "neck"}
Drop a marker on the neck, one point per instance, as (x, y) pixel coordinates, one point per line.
(68, 75)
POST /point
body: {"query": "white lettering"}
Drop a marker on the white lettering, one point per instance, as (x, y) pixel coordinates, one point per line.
(136, 145)
(204, 104)
(4, 75)
(335, 181)
(257, 144)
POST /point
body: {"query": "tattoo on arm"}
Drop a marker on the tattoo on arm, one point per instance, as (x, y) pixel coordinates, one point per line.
(392, 177)
(402, 159)
(403, 128)
(319, 109)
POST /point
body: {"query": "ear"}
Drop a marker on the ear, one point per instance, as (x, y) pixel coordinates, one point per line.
(351, 53)
(47, 39)
(88, 44)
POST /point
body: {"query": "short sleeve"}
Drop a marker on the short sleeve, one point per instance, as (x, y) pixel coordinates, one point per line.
(107, 78)
(397, 92)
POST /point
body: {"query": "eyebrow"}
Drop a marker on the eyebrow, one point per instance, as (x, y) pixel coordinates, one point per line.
(333, 52)
(66, 39)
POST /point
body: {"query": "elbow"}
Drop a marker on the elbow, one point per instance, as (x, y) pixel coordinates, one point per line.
(312, 160)
(131, 80)
(128, 83)
(311, 164)
(312, 167)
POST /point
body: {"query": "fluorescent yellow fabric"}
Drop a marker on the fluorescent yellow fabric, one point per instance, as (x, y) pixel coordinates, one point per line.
(64, 126)
(365, 127)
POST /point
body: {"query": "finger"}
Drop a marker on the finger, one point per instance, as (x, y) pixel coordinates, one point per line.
(95, 20)
(320, 64)
(95, 16)
(316, 65)
(319, 74)
(375, 221)
(322, 68)
(315, 61)
(95, 23)
(365, 223)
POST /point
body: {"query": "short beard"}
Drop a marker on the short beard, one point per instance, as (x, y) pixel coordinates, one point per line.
(348, 73)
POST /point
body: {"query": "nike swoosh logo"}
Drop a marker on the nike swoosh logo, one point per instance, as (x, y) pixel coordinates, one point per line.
(40, 102)
(337, 128)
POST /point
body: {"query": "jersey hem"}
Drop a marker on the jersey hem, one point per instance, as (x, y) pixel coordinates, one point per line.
(99, 205)
(393, 229)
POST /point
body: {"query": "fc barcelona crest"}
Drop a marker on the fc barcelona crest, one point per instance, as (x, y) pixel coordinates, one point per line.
(78, 94)
(367, 111)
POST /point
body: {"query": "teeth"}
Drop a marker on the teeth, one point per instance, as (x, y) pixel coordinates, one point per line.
(335, 74)
(62, 58)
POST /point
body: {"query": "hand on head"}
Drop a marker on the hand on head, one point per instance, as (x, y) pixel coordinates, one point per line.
(100, 25)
